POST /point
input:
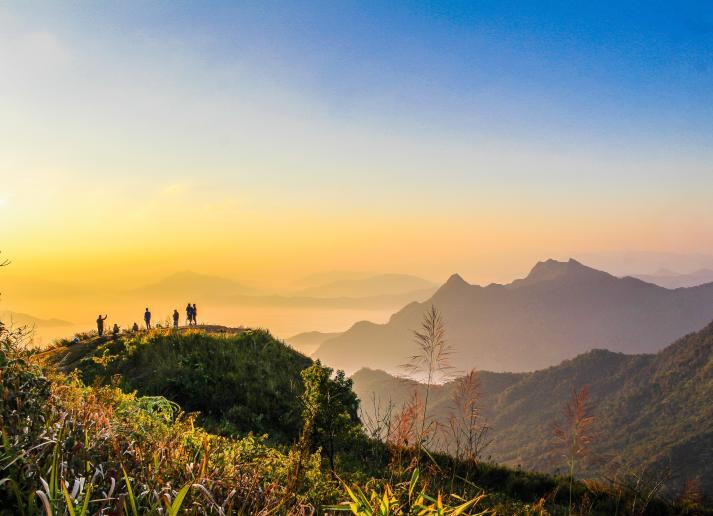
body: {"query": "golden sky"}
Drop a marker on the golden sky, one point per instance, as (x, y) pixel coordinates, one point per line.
(237, 143)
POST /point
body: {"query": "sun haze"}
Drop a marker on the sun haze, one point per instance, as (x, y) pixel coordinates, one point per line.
(265, 144)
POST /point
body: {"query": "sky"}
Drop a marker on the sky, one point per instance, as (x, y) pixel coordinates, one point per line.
(264, 141)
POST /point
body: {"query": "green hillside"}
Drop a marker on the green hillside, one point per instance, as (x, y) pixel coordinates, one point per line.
(653, 413)
(239, 381)
(106, 415)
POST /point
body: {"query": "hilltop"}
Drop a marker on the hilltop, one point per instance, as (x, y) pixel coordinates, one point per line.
(239, 380)
(559, 310)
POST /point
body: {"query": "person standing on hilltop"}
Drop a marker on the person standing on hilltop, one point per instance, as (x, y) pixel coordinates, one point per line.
(189, 314)
(194, 311)
(147, 318)
(175, 318)
(100, 324)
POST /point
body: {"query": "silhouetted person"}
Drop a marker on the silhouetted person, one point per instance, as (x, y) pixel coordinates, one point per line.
(115, 330)
(189, 314)
(135, 327)
(100, 324)
(175, 318)
(147, 319)
(195, 314)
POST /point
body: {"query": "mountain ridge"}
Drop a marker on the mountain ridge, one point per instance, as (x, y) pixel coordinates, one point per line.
(559, 310)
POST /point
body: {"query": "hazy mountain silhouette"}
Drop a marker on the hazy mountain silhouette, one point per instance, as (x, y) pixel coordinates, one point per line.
(192, 285)
(559, 310)
(669, 279)
(309, 341)
(325, 277)
(379, 285)
(18, 319)
(649, 409)
(336, 295)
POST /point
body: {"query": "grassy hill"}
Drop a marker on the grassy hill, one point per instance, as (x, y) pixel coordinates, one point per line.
(238, 380)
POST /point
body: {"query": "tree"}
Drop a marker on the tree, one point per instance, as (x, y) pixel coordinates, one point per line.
(329, 410)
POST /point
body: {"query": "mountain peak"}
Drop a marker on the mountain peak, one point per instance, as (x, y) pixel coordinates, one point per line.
(455, 283)
(550, 269)
(456, 280)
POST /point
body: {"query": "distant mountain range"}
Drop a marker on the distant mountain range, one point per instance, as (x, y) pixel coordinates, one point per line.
(309, 341)
(652, 411)
(559, 310)
(669, 279)
(371, 292)
(17, 319)
(191, 284)
(378, 285)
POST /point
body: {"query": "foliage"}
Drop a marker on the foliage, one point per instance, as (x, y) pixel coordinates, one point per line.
(574, 436)
(239, 383)
(73, 449)
(406, 499)
(329, 410)
(430, 362)
(98, 448)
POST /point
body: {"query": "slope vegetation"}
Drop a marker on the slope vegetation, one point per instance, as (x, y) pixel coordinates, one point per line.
(239, 381)
(653, 412)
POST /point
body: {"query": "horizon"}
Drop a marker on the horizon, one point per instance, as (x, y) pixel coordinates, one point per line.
(413, 139)
(281, 310)
(174, 137)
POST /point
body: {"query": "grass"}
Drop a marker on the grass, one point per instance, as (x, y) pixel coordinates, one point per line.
(77, 439)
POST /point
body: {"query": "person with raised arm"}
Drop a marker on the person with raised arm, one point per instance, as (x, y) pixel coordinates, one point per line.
(100, 324)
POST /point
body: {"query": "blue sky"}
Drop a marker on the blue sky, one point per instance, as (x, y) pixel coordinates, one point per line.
(353, 119)
(570, 72)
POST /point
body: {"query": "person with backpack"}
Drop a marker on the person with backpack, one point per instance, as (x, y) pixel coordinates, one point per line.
(189, 314)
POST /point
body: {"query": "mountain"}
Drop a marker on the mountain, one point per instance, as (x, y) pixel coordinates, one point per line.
(379, 285)
(192, 285)
(15, 319)
(669, 279)
(321, 278)
(309, 341)
(652, 411)
(559, 310)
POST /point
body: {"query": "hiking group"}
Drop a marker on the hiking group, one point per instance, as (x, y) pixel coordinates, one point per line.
(191, 320)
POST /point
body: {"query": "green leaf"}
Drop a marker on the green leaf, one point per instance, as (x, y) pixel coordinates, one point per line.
(178, 501)
(87, 496)
(132, 500)
(413, 482)
(68, 499)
